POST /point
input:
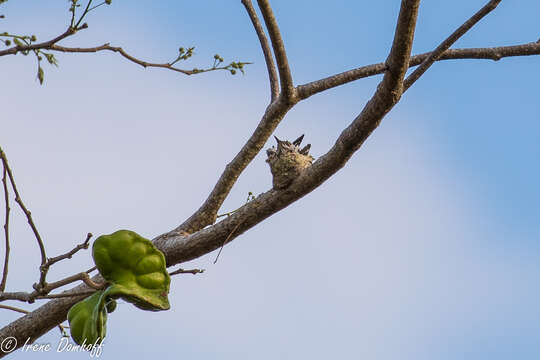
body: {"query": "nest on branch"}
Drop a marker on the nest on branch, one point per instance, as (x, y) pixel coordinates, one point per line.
(288, 161)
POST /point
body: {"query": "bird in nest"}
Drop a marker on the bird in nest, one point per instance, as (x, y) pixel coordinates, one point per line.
(287, 161)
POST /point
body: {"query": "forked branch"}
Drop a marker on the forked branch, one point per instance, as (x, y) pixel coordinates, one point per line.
(285, 77)
(489, 53)
(43, 292)
(445, 45)
(267, 52)
(28, 214)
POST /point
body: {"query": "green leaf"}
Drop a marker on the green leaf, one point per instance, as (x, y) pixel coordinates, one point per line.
(88, 318)
(135, 268)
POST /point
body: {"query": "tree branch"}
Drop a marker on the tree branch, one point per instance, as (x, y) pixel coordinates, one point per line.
(53, 46)
(184, 271)
(43, 45)
(119, 50)
(492, 53)
(22, 311)
(445, 45)
(69, 254)
(272, 73)
(285, 77)
(28, 214)
(6, 228)
(13, 308)
(42, 292)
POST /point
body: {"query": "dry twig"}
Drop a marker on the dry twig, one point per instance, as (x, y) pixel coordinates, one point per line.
(43, 291)
(28, 214)
(183, 271)
(6, 223)
(69, 254)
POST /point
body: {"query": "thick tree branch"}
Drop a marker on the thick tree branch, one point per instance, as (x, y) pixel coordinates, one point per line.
(398, 60)
(445, 45)
(22, 311)
(491, 53)
(268, 58)
(285, 77)
(38, 322)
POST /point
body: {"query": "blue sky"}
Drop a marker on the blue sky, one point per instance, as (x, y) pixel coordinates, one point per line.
(438, 260)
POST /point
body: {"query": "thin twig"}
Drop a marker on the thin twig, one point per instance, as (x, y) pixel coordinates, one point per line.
(96, 6)
(121, 52)
(145, 64)
(52, 46)
(84, 13)
(227, 239)
(6, 224)
(43, 45)
(69, 254)
(42, 287)
(18, 200)
(63, 331)
(445, 45)
(183, 271)
(63, 295)
(268, 58)
(13, 308)
(40, 291)
(84, 277)
(285, 77)
(250, 197)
